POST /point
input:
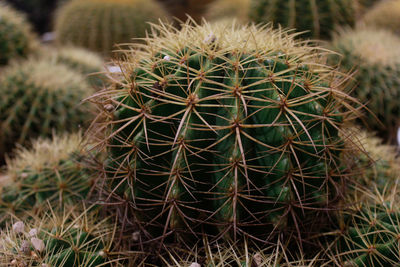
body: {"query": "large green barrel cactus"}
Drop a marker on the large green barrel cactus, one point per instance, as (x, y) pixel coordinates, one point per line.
(38, 98)
(318, 18)
(374, 55)
(64, 238)
(52, 170)
(100, 24)
(384, 15)
(16, 38)
(237, 128)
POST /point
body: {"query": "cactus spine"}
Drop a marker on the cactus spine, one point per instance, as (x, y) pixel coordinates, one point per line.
(236, 128)
(16, 38)
(317, 17)
(39, 97)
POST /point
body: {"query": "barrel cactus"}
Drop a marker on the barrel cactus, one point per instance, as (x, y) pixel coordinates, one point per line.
(371, 236)
(38, 98)
(182, 8)
(100, 24)
(318, 18)
(16, 37)
(236, 128)
(226, 9)
(51, 171)
(375, 55)
(63, 238)
(384, 15)
(84, 61)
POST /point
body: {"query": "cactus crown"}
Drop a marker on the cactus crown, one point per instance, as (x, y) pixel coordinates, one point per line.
(245, 118)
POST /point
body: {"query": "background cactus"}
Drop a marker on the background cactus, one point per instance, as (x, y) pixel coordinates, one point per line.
(369, 235)
(384, 15)
(84, 61)
(100, 24)
(16, 38)
(51, 171)
(236, 128)
(375, 54)
(38, 98)
(70, 237)
(228, 9)
(182, 8)
(316, 17)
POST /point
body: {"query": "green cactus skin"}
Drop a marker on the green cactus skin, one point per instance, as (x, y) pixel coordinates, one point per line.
(16, 38)
(38, 98)
(52, 170)
(236, 128)
(375, 56)
(318, 17)
(79, 59)
(371, 237)
(71, 237)
(100, 24)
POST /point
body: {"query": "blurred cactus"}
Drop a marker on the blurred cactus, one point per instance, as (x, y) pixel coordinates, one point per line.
(16, 38)
(318, 18)
(81, 60)
(228, 9)
(237, 128)
(38, 98)
(384, 15)
(375, 55)
(39, 12)
(52, 170)
(66, 238)
(100, 24)
(183, 8)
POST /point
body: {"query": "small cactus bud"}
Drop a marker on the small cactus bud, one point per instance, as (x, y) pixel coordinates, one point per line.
(33, 232)
(38, 244)
(257, 259)
(18, 227)
(167, 58)
(109, 107)
(135, 236)
(195, 264)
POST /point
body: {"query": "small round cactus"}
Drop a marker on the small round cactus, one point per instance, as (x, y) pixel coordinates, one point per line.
(100, 24)
(51, 171)
(38, 98)
(81, 60)
(16, 38)
(233, 127)
(375, 55)
(228, 9)
(65, 238)
(317, 18)
(384, 15)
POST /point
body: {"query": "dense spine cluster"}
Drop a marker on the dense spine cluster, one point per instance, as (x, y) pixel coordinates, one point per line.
(235, 128)
(317, 18)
